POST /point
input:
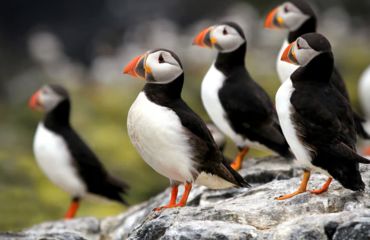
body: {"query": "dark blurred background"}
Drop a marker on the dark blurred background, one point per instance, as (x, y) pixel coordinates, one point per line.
(84, 45)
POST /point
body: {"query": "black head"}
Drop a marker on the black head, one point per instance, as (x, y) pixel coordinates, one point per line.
(225, 37)
(159, 66)
(48, 97)
(291, 15)
(306, 48)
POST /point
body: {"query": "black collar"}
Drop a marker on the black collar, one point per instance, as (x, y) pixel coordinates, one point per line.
(59, 116)
(226, 62)
(164, 93)
(318, 70)
(307, 27)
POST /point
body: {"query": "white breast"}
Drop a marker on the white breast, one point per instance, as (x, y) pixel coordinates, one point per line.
(364, 92)
(284, 69)
(54, 159)
(159, 137)
(211, 85)
(284, 110)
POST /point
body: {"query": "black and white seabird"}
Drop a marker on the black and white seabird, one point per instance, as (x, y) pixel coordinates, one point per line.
(238, 106)
(64, 157)
(298, 17)
(316, 118)
(364, 97)
(169, 136)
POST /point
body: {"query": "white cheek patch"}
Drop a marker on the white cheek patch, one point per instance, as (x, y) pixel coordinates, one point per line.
(293, 20)
(227, 42)
(49, 101)
(304, 56)
(164, 72)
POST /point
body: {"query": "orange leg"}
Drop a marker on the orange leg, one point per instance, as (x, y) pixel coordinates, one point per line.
(185, 195)
(324, 188)
(73, 207)
(172, 202)
(302, 188)
(366, 151)
(237, 164)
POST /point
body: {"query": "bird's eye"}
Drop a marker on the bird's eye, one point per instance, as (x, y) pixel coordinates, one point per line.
(286, 9)
(160, 58)
(224, 32)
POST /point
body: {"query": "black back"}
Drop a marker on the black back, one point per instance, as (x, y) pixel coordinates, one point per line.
(89, 168)
(324, 121)
(206, 153)
(248, 108)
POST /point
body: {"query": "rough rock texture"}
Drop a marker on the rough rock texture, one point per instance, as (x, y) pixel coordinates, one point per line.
(233, 213)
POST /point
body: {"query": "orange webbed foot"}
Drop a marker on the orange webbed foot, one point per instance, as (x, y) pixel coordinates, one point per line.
(302, 188)
(323, 189)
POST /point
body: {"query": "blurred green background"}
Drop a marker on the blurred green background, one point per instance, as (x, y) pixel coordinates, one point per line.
(84, 48)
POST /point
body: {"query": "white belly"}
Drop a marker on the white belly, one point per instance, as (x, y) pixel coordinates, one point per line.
(284, 69)
(159, 137)
(364, 92)
(55, 161)
(211, 85)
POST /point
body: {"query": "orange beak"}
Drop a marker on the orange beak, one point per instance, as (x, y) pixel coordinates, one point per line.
(272, 20)
(289, 54)
(135, 67)
(34, 102)
(203, 39)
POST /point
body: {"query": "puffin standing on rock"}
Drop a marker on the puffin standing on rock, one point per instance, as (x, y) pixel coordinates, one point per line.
(298, 17)
(235, 102)
(64, 157)
(316, 119)
(169, 136)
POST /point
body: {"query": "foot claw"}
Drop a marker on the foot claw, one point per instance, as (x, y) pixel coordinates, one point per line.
(287, 196)
(317, 191)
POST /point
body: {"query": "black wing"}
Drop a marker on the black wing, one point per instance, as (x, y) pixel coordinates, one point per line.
(323, 116)
(207, 154)
(251, 113)
(91, 170)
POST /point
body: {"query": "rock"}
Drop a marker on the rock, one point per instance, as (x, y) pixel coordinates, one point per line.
(234, 213)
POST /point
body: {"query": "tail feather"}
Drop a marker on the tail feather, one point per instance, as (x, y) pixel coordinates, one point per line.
(349, 154)
(226, 172)
(342, 163)
(115, 187)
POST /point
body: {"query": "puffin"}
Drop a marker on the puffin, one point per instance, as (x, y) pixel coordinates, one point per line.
(237, 105)
(316, 118)
(298, 17)
(168, 134)
(364, 97)
(64, 157)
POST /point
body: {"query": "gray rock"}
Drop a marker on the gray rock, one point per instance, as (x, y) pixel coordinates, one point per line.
(234, 213)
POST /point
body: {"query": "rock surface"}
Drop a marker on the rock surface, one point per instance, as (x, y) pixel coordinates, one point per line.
(233, 213)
